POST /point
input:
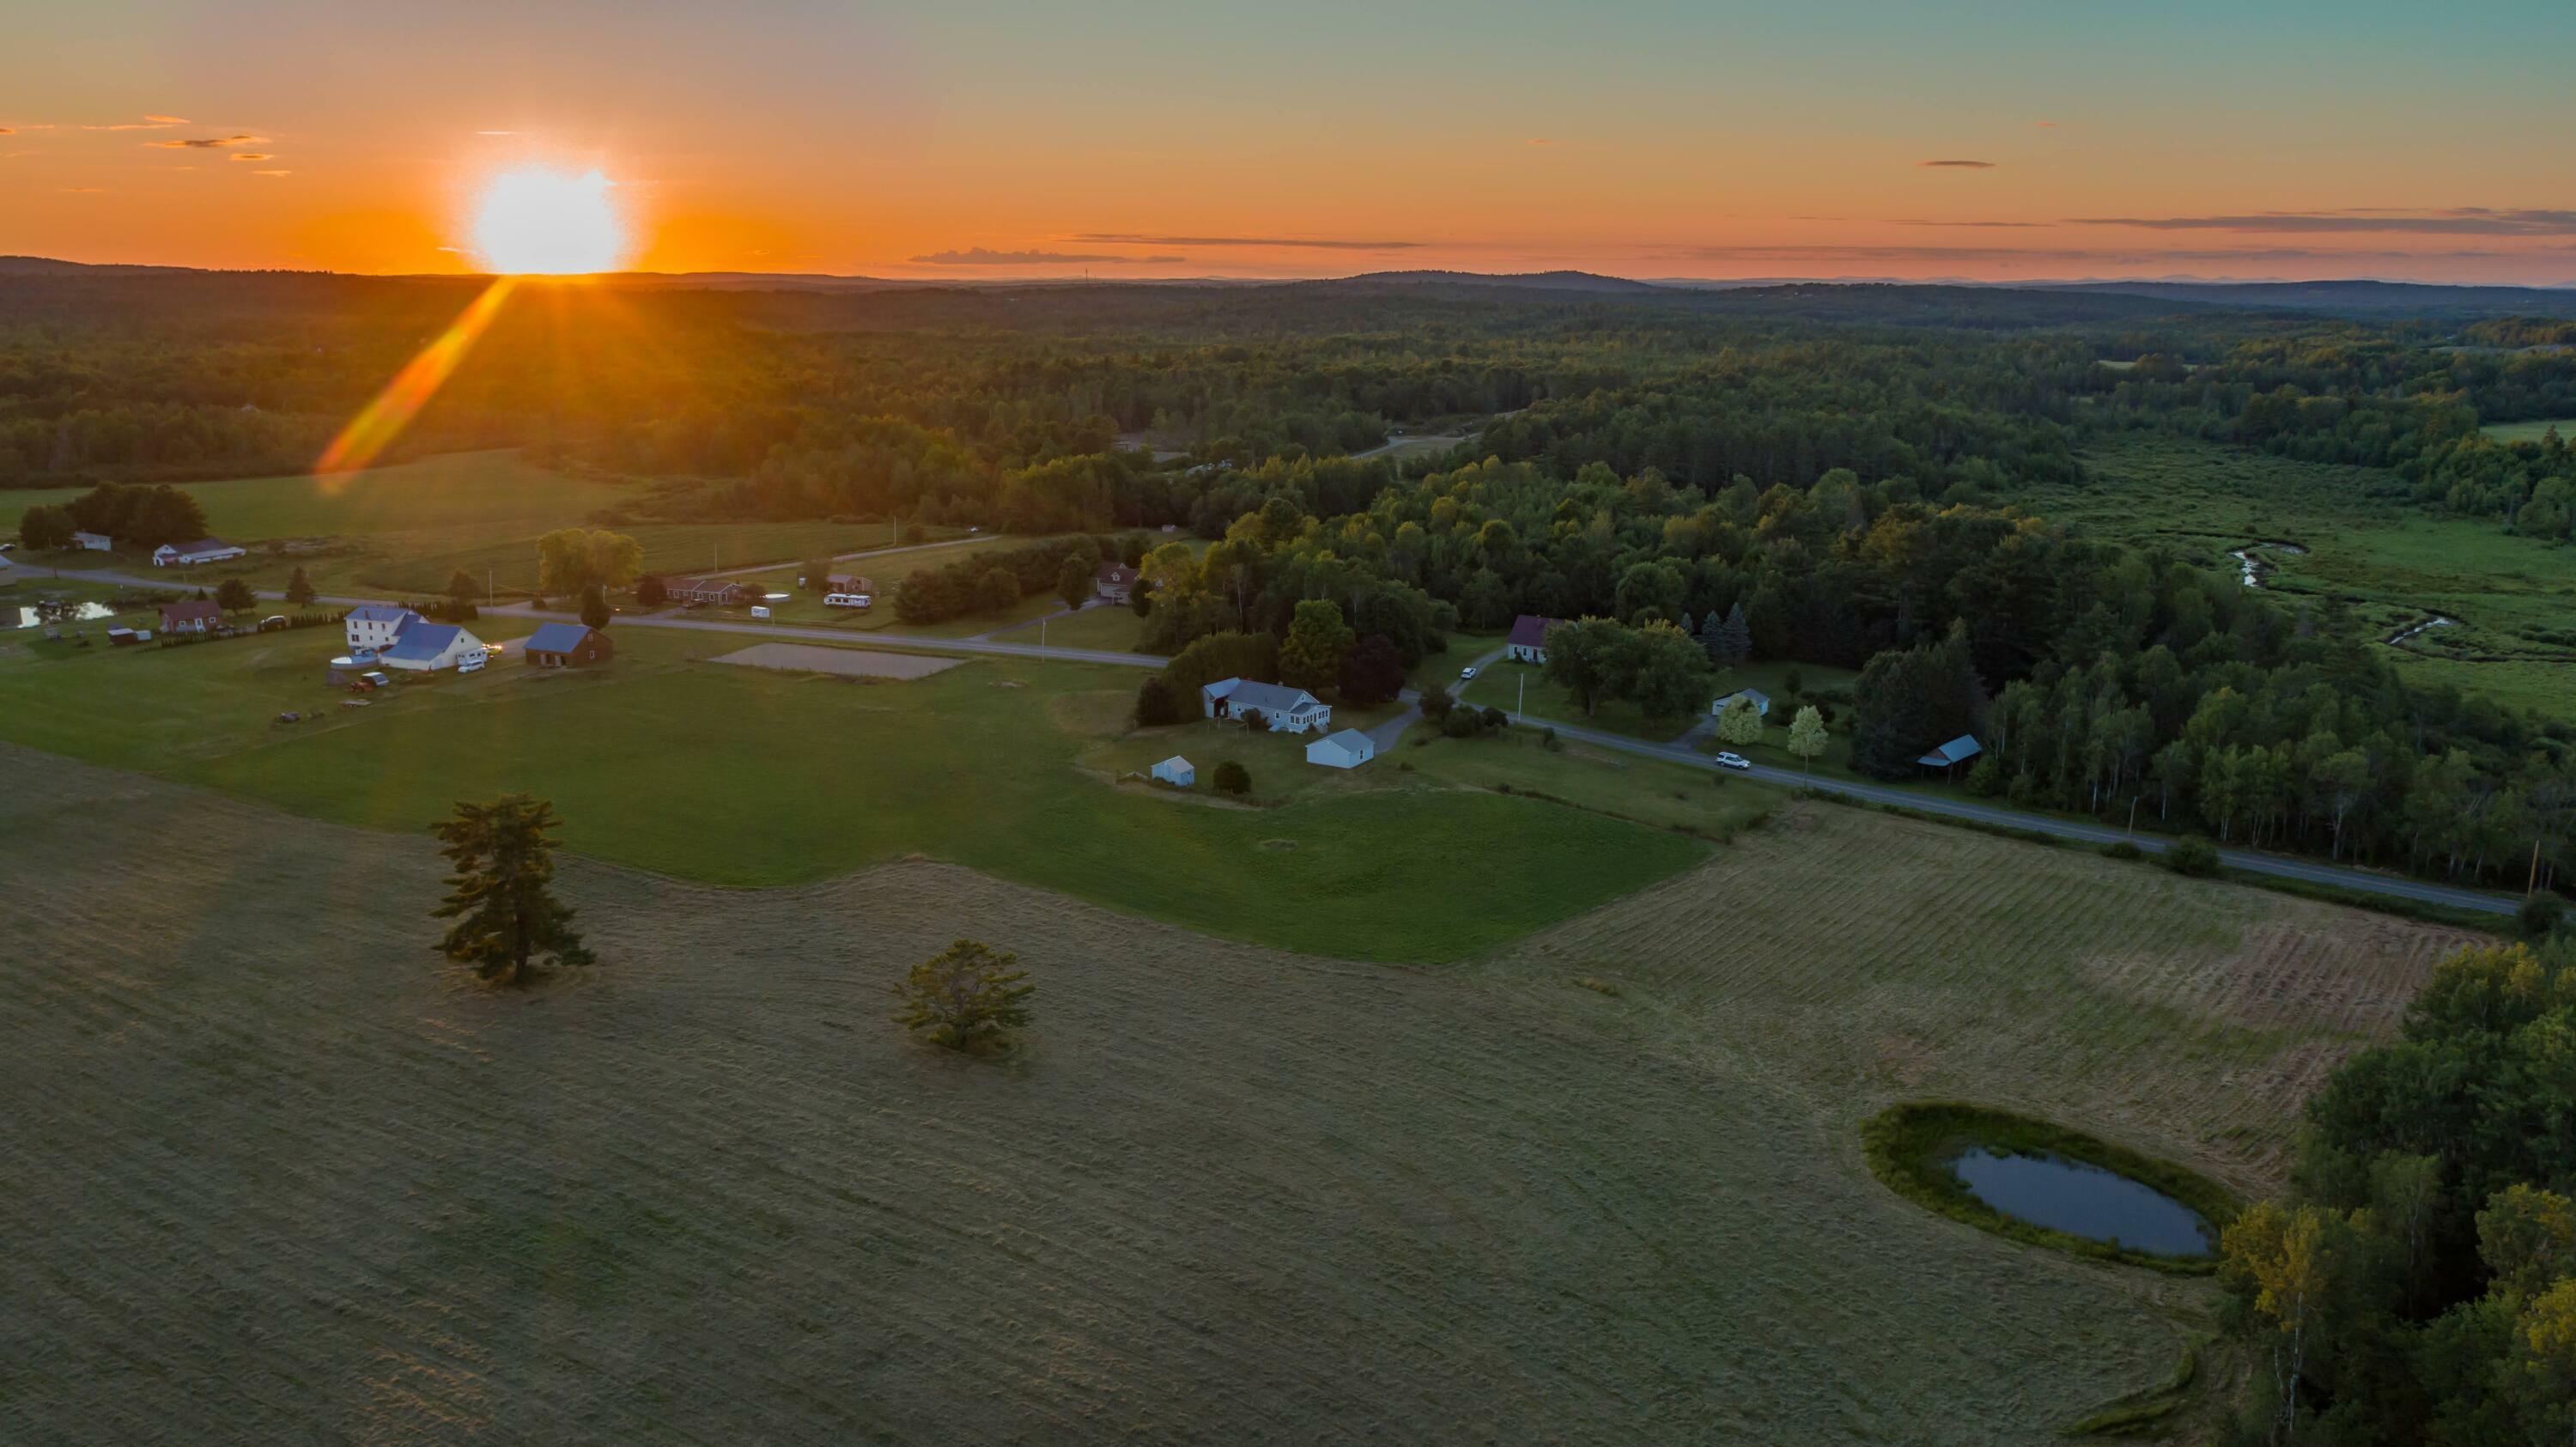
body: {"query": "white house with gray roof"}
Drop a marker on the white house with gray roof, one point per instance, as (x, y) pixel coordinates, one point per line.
(374, 627)
(1285, 710)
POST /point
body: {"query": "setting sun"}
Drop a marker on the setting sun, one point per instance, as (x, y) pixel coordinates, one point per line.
(540, 222)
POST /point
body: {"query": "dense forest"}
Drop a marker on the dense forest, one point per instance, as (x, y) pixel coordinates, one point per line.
(1843, 469)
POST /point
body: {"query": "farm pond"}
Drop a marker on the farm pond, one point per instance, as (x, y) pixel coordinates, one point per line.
(44, 613)
(2083, 1200)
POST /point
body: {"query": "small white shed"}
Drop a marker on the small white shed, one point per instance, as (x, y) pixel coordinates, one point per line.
(1176, 771)
(1345, 750)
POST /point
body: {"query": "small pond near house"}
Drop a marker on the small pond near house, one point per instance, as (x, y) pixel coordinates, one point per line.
(2084, 1200)
(62, 613)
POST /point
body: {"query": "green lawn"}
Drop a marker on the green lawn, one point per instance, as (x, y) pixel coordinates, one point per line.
(1524, 689)
(741, 776)
(2368, 543)
(2530, 431)
(1111, 627)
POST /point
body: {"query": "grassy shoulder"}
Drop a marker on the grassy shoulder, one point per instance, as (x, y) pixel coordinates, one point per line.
(740, 776)
(1909, 1147)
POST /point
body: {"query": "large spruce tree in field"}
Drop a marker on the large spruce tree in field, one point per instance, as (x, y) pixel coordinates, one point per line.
(505, 913)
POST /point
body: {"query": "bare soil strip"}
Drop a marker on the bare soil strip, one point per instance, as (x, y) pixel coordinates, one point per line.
(848, 662)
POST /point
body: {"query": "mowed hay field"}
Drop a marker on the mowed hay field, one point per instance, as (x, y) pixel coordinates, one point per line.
(277, 1174)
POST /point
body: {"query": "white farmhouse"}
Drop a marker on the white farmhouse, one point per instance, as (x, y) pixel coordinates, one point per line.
(1345, 750)
(1285, 710)
(374, 627)
(94, 542)
(1761, 702)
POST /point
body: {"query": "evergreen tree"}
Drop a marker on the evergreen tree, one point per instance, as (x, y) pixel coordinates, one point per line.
(504, 857)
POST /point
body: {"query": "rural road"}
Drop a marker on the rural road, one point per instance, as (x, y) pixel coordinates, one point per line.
(2275, 865)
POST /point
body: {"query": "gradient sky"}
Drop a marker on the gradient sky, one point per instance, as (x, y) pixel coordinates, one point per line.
(992, 138)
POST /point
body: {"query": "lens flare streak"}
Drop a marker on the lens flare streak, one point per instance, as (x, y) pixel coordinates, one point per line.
(375, 428)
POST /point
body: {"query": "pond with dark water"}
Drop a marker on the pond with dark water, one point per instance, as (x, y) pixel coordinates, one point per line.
(2084, 1200)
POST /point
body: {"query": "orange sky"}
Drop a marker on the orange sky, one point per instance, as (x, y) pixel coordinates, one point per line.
(1009, 138)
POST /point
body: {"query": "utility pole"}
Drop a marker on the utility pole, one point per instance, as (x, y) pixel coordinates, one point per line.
(1521, 706)
(2531, 886)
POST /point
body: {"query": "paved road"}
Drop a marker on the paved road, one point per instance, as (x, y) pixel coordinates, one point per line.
(842, 557)
(1386, 734)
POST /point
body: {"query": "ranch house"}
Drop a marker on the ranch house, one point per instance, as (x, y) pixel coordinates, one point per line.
(191, 617)
(716, 592)
(187, 555)
(1761, 701)
(1284, 710)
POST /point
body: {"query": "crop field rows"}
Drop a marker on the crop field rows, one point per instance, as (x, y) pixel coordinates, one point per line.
(292, 1177)
(2187, 1020)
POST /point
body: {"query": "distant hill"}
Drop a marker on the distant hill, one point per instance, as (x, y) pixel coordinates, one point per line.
(2350, 298)
(1515, 281)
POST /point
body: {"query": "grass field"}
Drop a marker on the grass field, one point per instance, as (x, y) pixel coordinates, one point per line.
(744, 776)
(2398, 564)
(291, 1178)
(2530, 431)
(405, 529)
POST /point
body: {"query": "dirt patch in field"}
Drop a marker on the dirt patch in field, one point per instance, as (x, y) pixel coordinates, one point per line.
(847, 662)
(1093, 713)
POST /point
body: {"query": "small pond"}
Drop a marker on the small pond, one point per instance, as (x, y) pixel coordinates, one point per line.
(2084, 1200)
(64, 613)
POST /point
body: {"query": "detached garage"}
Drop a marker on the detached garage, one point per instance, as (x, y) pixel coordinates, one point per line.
(1345, 750)
(567, 645)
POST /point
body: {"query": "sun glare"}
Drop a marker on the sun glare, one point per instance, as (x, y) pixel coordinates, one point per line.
(540, 222)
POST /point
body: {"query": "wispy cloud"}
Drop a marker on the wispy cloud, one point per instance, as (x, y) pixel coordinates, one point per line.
(1995, 225)
(496, 133)
(978, 256)
(8, 130)
(84, 190)
(272, 173)
(207, 143)
(2449, 221)
(251, 156)
(1544, 141)
(2047, 125)
(2057, 257)
(1956, 165)
(1127, 238)
(148, 123)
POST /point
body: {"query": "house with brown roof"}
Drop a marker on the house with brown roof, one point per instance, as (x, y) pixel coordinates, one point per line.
(1114, 581)
(195, 616)
(1528, 643)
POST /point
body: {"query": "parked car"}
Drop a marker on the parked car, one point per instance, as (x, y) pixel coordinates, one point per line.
(1733, 761)
(471, 663)
(273, 623)
(1466, 673)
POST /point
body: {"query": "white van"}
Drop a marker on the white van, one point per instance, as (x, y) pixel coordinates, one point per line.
(472, 662)
(847, 600)
(759, 612)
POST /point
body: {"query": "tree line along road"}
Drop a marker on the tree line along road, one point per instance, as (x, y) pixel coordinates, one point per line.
(2276, 866)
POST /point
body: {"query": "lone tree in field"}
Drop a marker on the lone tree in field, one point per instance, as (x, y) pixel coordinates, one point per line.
(594, 607)
(504, 857)
(964, 996)
(233, 595)
(299, 589)
(44, 528)
(1807, 737)
(462, 587)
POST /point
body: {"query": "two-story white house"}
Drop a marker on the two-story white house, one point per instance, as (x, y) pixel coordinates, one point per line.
(374, 627)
